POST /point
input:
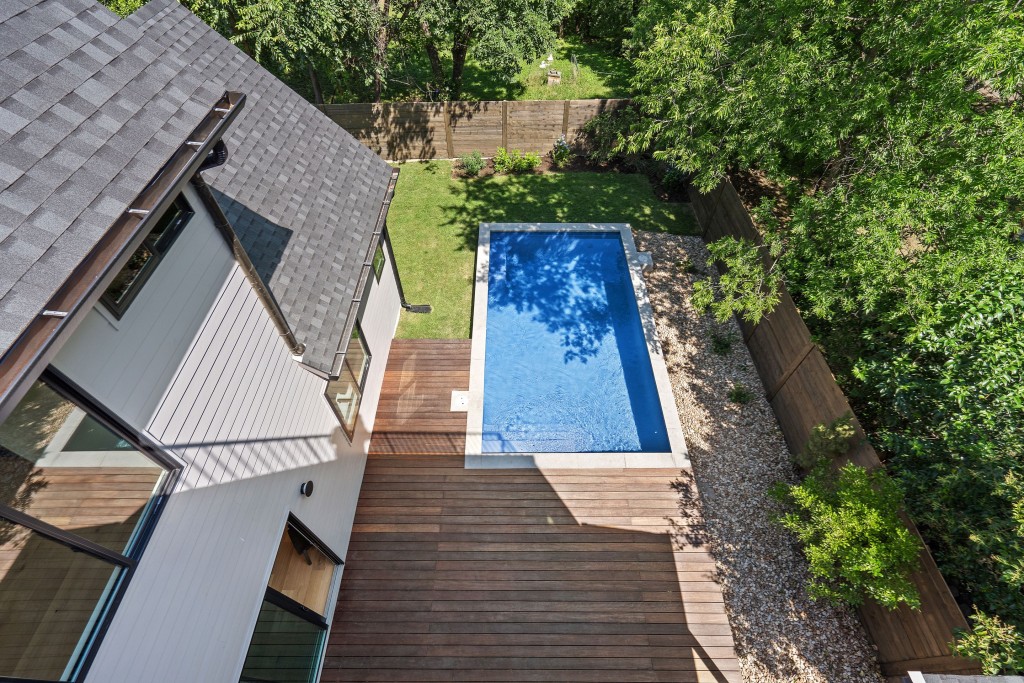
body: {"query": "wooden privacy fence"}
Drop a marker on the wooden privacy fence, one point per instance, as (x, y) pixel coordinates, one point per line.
(401, 131)
(803, 393)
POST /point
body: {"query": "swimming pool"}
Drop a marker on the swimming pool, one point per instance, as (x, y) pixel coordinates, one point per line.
(567, 371)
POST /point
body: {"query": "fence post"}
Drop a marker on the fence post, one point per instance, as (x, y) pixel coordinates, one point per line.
(504, 124)
(448, 130)
(565, 119)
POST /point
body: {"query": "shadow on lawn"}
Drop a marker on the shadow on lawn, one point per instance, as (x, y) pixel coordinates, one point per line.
(575, 197)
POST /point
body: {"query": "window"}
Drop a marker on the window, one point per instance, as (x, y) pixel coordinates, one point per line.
(291, 629)
(77, 498)
(126, 285)
(346, 392)
(378, 260)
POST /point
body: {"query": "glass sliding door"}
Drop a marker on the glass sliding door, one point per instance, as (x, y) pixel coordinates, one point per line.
(285, 647)
(77, 497)
(291, 630)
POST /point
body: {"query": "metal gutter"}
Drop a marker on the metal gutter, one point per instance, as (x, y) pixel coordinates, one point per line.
(39, 342)
(364, 275)
(264, 294)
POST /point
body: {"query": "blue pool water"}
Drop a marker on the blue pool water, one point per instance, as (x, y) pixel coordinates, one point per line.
(567, 369)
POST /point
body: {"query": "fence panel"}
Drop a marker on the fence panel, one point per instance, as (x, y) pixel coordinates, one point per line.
(475, 126)
(416, 130)
(534, 126)
(803, 393)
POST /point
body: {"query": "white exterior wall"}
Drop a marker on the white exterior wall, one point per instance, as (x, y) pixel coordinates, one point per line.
(197, 364)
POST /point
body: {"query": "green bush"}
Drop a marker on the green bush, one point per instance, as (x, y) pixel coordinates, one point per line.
(740, 394)
(826, 441)
(852, 536)
(675, 178)
(561, 154)
(721, 344)
(604, 136)
(472, 163)
(515, 161)
(997, 645)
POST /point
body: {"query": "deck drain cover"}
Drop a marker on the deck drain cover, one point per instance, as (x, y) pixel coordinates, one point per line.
(460, 401)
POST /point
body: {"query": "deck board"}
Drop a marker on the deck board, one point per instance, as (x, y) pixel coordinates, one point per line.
(413, 413)
(558, 581)
(516, 575)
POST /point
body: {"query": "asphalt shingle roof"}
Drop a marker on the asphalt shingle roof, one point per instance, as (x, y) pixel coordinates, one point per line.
(92, 106)
(90, 109)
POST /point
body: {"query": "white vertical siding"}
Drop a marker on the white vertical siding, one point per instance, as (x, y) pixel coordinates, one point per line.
(202, 370)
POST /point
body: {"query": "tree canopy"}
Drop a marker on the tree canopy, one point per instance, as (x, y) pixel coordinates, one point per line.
(895, 133)
(499, 34)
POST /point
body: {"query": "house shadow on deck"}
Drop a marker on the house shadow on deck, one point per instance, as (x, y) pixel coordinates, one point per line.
(523, 575)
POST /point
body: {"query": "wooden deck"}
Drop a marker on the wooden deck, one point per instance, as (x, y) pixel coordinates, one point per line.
(519, 575)
(413, 415)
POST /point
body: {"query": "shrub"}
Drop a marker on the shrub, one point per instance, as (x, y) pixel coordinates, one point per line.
(604, 139)
(997, 645)
(721, 344)
(674, 178)
(472, 163)
(688, 267)
(740, 394)
(852, 535)
(515, 161)
(826, 441)
(561, 153)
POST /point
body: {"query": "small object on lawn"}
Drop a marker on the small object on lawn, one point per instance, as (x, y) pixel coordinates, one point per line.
(418, 308)
(554, 77)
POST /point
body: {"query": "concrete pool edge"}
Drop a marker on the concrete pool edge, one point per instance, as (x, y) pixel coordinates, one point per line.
(676, 458)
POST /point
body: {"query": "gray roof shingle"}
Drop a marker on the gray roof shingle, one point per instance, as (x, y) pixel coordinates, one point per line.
(91, 107)
(302, 194)
(82, 95)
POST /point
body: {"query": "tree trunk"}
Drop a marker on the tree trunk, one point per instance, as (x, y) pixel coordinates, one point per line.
(318, 96)
(460, 48)
(382, 42)
(459, 51)
(435, 58)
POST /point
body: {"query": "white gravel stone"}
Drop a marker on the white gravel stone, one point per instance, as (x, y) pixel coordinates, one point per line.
(737, 454)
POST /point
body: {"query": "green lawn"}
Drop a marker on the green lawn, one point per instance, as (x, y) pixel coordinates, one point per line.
(601, 74)
(434, 219)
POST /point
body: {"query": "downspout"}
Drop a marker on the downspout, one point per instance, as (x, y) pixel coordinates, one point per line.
(412, 308)
(248, 269)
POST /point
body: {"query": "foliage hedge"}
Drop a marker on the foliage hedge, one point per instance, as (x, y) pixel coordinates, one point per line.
(892, 134)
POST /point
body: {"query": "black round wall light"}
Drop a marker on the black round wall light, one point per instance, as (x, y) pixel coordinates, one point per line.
(306, 488)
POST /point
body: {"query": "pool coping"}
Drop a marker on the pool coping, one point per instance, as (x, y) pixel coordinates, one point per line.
(677, 458)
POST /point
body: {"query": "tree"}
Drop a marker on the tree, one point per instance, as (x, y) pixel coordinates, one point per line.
(895, 130)
(499, 34)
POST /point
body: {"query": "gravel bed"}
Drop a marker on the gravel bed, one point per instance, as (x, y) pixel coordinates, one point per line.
(737, 452)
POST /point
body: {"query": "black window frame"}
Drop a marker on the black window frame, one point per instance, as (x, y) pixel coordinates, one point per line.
(294, 607)
(177, 216)
(127, 562)
(357, 329)
(378, 265)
